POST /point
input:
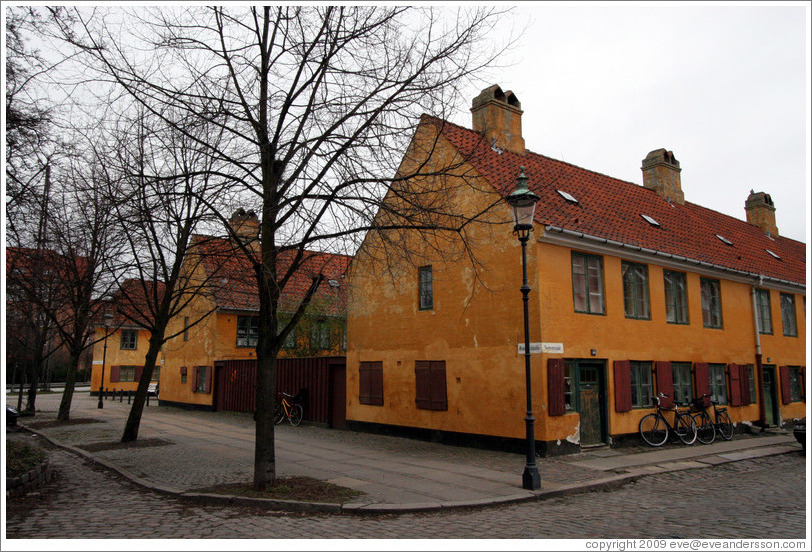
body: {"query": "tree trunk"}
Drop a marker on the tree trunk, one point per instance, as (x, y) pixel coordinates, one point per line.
(70, 382)
(134, 419)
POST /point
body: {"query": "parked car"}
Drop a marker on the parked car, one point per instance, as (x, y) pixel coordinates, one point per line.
(799, 430)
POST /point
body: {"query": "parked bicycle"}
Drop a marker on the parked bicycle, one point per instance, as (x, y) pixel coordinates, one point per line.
(708, 427)
(288, 408)
(655, 429)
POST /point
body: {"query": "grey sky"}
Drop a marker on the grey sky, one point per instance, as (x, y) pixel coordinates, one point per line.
(725, 87)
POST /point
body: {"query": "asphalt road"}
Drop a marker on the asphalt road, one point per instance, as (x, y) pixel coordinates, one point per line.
(762, 498)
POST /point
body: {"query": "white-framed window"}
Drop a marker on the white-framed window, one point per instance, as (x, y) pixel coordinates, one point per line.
(788, 315)
(642, 387)
(247, 331)
(129, 339)
(635, 290)
(676, 297)
(718, 383)
(765, 318)
(425, 288)
(711, 303)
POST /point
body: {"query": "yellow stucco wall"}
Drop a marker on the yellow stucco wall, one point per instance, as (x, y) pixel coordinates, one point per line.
(476, 324)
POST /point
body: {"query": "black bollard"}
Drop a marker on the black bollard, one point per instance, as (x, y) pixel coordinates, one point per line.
(147, 399)
(129, 396)
(121, 396)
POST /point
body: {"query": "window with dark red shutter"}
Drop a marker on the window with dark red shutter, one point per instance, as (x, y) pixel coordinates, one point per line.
(665, 382)
(371, 383)
(744, 384)
(556, 405)
(138, 371)
(734, 376)
(115, 373)
(623, 386)
(430, 385)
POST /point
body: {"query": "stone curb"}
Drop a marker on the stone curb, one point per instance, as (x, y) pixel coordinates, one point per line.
(604, 484)
(33, 479)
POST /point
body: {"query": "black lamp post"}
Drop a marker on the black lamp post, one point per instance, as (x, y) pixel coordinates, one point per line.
(107, 318)
(523, 203)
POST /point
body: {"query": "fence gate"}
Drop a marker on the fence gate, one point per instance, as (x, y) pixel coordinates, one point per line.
(324, 378)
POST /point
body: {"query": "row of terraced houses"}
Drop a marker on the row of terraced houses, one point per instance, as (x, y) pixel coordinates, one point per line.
(635, 291)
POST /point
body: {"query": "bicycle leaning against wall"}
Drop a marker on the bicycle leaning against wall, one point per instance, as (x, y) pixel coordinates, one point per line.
(707, 427)
(655, 429)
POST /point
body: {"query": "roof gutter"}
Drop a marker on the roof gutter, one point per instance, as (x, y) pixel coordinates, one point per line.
(678, 258)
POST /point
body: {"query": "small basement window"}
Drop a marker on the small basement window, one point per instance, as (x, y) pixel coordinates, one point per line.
(724, 240)
(650, 220)
(567, 196)
(773, 254)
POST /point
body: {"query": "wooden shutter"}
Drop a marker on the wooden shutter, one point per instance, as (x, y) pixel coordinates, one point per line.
(371, 383)
(195, 374)
(744, 370)
(209, 370)
(786, 394)
(422, 384)
(138, 371)
(115, 373)
(623, 385)
(734, 375)
(555, 387)
(665, 382)
(439, 396)
(702, 381)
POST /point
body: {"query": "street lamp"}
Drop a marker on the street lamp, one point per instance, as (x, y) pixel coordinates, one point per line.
(107, 318)
(523, 202)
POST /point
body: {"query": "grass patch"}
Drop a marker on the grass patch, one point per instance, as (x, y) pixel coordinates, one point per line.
(22, 457)
(303, 489)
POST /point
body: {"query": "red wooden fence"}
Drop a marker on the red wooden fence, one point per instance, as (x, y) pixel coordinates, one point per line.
(235, 386)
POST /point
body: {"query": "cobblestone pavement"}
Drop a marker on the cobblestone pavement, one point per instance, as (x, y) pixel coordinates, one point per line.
(758, 498)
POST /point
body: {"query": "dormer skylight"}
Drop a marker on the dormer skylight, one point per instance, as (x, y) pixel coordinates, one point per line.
(650, 220)
(724, 240)
(773, 254)
(333, 283)
(567, 196)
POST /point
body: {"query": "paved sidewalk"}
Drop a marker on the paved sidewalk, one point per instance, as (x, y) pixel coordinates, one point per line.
(180, 452)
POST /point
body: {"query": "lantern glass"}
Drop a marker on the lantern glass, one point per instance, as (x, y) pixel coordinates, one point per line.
(523, 211)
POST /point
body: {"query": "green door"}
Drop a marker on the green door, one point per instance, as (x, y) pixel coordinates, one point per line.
(770, 416)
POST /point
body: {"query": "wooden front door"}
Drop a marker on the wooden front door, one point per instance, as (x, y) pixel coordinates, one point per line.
(770, 402)
(591, 401)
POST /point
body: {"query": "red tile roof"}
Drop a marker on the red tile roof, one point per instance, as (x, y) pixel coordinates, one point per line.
(134, 303)
(610, 208)
(235, 286)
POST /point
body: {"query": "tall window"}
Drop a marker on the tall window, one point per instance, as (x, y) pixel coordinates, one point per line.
(320, 335)
(126, 373)
(681, 374)
(635, 290)
(425, 291)
(247, 331)
(129, 339)
(796, 387)
(788, 315)
(642, 396)
(711, 303)
(202, 383)
(676, 297)
(587, 283)
(765, 319)
(718, 383)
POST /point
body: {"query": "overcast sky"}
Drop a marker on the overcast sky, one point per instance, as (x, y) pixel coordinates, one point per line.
(725, 87)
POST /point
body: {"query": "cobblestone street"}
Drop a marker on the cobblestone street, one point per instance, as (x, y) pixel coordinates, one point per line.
(759, 498)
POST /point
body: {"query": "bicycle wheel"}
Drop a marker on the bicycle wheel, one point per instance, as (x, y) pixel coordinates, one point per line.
(278, 414)
(296, 413)
(685, 428)
(705, 432)
(653, 430)
(724, 425)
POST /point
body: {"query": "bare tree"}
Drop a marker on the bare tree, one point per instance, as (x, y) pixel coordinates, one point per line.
(316, 106)
(164, 192)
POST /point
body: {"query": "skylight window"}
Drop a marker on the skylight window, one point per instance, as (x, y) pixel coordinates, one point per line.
(333, 283)
(567, 196)
(724, 240)
(773, 254)
(650, 220)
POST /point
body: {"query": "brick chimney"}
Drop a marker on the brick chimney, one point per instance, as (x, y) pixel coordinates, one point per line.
(661, 174)
(761, 212)
(498, 115)
(245, 224)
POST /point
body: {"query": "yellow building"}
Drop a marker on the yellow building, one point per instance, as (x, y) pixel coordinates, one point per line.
(220, 319)
(635, 291)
